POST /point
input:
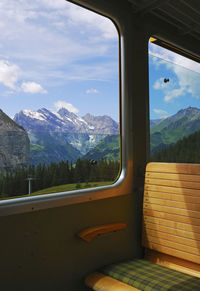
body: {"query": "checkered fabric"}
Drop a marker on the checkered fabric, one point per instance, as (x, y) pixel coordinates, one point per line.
(148, 276)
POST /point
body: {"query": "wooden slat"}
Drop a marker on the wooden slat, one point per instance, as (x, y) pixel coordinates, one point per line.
(172, 210)
(172, 217)
(177, 204)
(166, 243)
(170, 176)
(172, 197)
(192, 243)
(172, 262)
(158, 222)
(175, 190)
(193, 169)
(173, 252)
(172, 183)
(170, 230)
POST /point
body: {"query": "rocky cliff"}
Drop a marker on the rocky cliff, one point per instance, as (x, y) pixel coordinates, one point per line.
(14, 145)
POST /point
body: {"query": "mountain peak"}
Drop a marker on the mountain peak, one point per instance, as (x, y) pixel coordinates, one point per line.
(44, 110)
(189, 109)
(103, 124)
(68, 116)
(65, 121)
(65, 110)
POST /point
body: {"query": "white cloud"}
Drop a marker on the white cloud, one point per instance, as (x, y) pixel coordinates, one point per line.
(160, 84)
(189, 80)
(161, 113)
(80, 16)
(170, 90)
(32, 88)
(52, 37)
(10, 77)
(58, 4)
(174, 94)
(92, 91)
(9, 74)
(68, 106)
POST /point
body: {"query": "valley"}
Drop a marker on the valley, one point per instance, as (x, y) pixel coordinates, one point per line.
(62, 135)
(61, 148)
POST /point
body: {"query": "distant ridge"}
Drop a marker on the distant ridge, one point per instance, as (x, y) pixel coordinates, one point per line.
(96, 137)
(65, 121)
(174, 128)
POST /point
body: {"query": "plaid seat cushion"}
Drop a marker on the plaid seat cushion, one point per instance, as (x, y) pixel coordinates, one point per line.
(148, 276)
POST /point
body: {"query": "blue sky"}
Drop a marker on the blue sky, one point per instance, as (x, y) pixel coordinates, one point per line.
(55, 54)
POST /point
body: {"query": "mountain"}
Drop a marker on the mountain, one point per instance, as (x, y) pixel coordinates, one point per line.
(102, 124)
(63, 134)
(108, 149)
(174, 128)
(65, 121)
(14, 146)
(47, 147)
(154, 122)
(164, 132)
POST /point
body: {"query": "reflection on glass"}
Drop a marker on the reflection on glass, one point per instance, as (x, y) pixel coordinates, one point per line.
(174, 107)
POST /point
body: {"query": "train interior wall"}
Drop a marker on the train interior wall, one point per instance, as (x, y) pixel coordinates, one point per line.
(39, 250)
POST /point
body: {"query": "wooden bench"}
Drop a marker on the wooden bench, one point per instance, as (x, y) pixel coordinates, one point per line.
(171, 227)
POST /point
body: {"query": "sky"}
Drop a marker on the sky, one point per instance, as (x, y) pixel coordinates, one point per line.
(55, 54)
(183, 88)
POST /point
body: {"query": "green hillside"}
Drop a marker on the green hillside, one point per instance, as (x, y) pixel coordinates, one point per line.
(186, 150)
(174, 128)
(108, 149)
(50, 148)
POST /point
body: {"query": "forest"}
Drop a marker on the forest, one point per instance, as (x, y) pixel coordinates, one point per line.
(186, 150)
(44, 176)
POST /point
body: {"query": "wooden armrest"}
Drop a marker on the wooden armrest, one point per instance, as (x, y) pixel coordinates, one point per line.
(90, 233)
(100, 282)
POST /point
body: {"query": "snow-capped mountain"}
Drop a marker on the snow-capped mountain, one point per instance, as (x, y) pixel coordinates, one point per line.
(102, 124)
(66, 129)
(65, 121)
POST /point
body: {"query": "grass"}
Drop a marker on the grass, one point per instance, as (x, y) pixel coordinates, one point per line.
(62, 188)
(70, 187)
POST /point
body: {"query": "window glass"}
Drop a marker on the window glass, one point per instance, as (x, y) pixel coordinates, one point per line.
(174, 106)
(59, 88)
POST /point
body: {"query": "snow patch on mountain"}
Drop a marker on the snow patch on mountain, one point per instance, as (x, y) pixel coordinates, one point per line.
(33, 114)
(83, 133)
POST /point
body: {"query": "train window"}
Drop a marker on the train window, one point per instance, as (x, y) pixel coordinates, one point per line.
(59, 86)
(174, 105)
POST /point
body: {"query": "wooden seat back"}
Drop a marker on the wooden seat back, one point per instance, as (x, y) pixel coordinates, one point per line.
(171, 221)
(171, 210)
